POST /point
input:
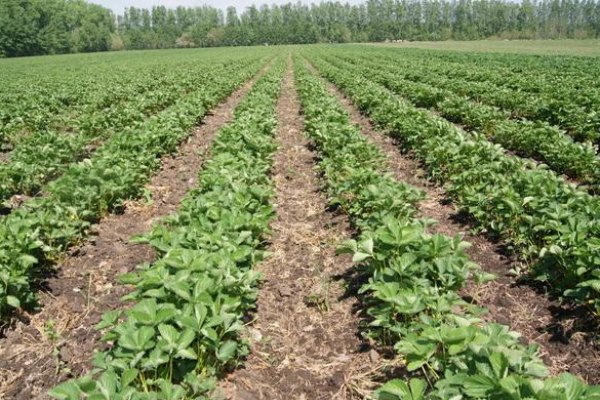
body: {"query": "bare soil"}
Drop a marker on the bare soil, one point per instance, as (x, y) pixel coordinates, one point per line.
(566, 335)
(57, 343)
(305, 342)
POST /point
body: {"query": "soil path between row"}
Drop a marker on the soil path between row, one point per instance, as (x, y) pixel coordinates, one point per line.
(304, 342)
(565, 340)
(59, 341)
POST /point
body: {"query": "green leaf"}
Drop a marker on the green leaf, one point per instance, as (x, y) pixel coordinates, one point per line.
(499, 364)
(573, 387)
(417, 388)
(13, 301)
(145, 311)
(109, 319)
(168, 333)
(479, 386)
(107, 384)
(227, 350)
(128, 377)
(186, 338)
(188, 353)
(138, 339)
(367, 245)
(27, 260)
(359, 257)
(398, 390)
(66, 391)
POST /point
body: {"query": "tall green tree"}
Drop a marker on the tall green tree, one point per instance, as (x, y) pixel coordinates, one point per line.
(32, 27)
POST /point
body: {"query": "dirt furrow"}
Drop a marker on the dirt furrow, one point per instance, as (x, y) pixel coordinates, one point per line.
(567, 341)
(304, 338)
(58, 342)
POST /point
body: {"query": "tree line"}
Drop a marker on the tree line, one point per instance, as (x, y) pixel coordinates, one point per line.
(33, 27)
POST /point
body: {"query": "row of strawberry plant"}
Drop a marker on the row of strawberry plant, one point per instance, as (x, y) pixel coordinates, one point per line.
(33, 235)
(579, 121)
(35, 109)
(45, 155)
(35, 100)
(551, 224)
(523, 73)
(185, 327)
(413, 278)
(537, 140)
(560, 105)
(60, 93)
(527, 94)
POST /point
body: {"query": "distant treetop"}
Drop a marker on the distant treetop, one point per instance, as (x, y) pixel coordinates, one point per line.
(34, 27)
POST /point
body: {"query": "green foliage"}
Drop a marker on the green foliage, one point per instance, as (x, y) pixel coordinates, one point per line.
(49, 131)
(37, 27)
(372, 21)
(32, 236)
(185, 327)
(536, 139)
(414, 277)
(548, 222)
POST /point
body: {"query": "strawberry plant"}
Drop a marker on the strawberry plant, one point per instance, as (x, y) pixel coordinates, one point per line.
(33, 235)
(413, 277)
(46, 153)
(522, 86)
(185, 326)
(537, 139)
(551, 224)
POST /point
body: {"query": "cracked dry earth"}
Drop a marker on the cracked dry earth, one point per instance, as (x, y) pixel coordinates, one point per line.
(34, 355)
(566, 336)
(304, 342)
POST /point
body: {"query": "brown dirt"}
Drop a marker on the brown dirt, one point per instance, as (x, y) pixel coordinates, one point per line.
(304, 341)
(58, 342)
(566, 336)
(4, 156)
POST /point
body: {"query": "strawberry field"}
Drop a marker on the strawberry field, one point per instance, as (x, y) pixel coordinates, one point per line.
(302, 222)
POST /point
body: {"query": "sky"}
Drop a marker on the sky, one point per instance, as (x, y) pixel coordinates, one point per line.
(119, 5)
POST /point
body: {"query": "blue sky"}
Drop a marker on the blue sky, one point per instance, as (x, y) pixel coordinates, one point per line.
(119, 5)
